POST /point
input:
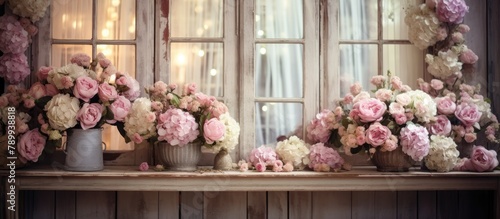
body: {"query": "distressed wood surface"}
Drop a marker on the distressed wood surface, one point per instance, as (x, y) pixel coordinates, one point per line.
(168, 205)
(43, 204)
(299, 205)
(95, 204)
(386, 205)
(65, 205)
(225, 205)
(257, 205)
(277, 205)
(427, 207)
(447, 202)
(363, 205)
(191, 205)
(137, 205)
(326, 204)
(407, 202)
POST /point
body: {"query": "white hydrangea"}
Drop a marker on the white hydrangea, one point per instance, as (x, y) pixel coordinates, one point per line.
(444, 64)
(137, 121)
(295, 151)
(230, 139)
(56, 76)
(422, 26)
(33, 9)
(443, 154)
(422, 105)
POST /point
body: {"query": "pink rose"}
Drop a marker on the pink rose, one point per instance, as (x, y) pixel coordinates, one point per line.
(43, 72)
(400, 118)
(437, 84)
(403, 99)
(356, 88)
(261, 167)
(37, 90)
(457, 37)
(383, 94)
(481, 160)
(31, 144)
(442, 33)
(134, 89)
(370, 109)
(391, 143)
(377, 134)
(396, 108)
(470, 137)
(442, 126)
(348, 99)
(66, 82)
(107, 92)
(445, 105)
(51, 90)
(288, 167)
(4, 101)
(137, 138)
(468, 57)
(468, 114)
(104, 63)
(378, 80)
(80, 59)
(144, 166)
(120, 108)
(278, 166)
(29, 103)
(452, 11)
(189, 89)
(213, 130)
(244, 167)
(85, 88)
(89, 115)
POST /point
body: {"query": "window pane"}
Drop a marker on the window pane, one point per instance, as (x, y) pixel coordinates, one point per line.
(358, 19)
(122, 57)
(405, 61)
(279, 19)
(278, 70)
(61, 54)
(276, 119)
(116, 19)
(191, 18)
(393, 18)
(358, 63)
(71, 19)
(201, 63)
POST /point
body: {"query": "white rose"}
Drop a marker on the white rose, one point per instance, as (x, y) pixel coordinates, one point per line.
(61, 111)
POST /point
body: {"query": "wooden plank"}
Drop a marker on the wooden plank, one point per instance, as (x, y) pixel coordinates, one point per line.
(168, 205)
(43, 204)
(363, 205)
(328, 204)
(447, 204)
(65, 204)
(256, 205)
(427, 204)
(493, 64)
(90, 204)
(277, 205)
(475, 204)
(225, 205)
(137, 205)
(386, 205)
(191, 204)
(407, 205)
(299, 205)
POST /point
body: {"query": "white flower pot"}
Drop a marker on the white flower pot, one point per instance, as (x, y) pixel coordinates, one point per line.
(179, 158)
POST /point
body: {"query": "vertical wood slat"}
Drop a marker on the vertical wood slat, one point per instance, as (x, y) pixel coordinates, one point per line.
(216, 205)
(299, 205)
(191, 205)
(407, 202)
(447, 204)
(325, 205)
(65, 205)
(475, 204)
(257, 205)
(363, 204)
(385, 204)
(493, 64)
(137, 205)
(90, 204)
(168, 205)
(43, 204)
(427, 204)
(277, 205)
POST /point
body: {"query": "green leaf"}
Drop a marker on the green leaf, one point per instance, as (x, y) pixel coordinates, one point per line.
(121, 128)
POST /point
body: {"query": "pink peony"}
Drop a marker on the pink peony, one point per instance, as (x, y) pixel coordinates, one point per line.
(377, 134)
(107, 92)
(355, 88)
(437, 84)
(400, 118)
(31, 144)
(391, 144)
(383, 94)
(378, 80)
(278, 166)
(263, 154)
(213, 130)
(468, 113)
(81, 59)
(37, 90)
(481, 160)
(134, 89)
(261, 167)
(14, 67)
(442, 126)
(396, 83)
(89, 115)
(189, 89)
(144, 166)
(445, 105)
(319, 154)
(348, 98)
(85, 88)
(51, 90)
(415, 141)
(468, 57)
(177, 127)
(13, 37)
(452, 11)
(370, 110)
(120, 108)
(320, 127)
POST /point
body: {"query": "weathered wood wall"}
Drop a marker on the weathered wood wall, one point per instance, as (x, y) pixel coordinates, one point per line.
(258, 205)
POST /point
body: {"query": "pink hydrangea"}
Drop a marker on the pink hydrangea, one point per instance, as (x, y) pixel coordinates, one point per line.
(452, 11)
(263, 154)
(319, 154)
(14, 67)
(320, 127)
(177, 127)
(13, 37)
(415, 141)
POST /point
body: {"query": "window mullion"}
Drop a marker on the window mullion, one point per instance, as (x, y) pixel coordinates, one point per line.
(94, 28)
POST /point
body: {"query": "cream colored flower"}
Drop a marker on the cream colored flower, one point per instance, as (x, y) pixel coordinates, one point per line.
(61, 111)
(33, 9)
(137, 121)
(230, 139)
(423, 26)
(444, 65)
(295, 151)
(443, 154)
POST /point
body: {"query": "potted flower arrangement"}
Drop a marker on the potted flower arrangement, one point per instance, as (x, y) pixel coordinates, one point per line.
(181, 124)
(390, 125)
(78, 99)
(462, 112)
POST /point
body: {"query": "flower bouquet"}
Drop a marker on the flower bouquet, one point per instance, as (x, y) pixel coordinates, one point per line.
(182, 119)
(394, 119)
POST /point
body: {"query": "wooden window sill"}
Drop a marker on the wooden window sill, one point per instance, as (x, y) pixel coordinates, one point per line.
(128, 178)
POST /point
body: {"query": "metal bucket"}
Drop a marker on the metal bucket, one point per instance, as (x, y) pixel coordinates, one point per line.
(84, 150)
